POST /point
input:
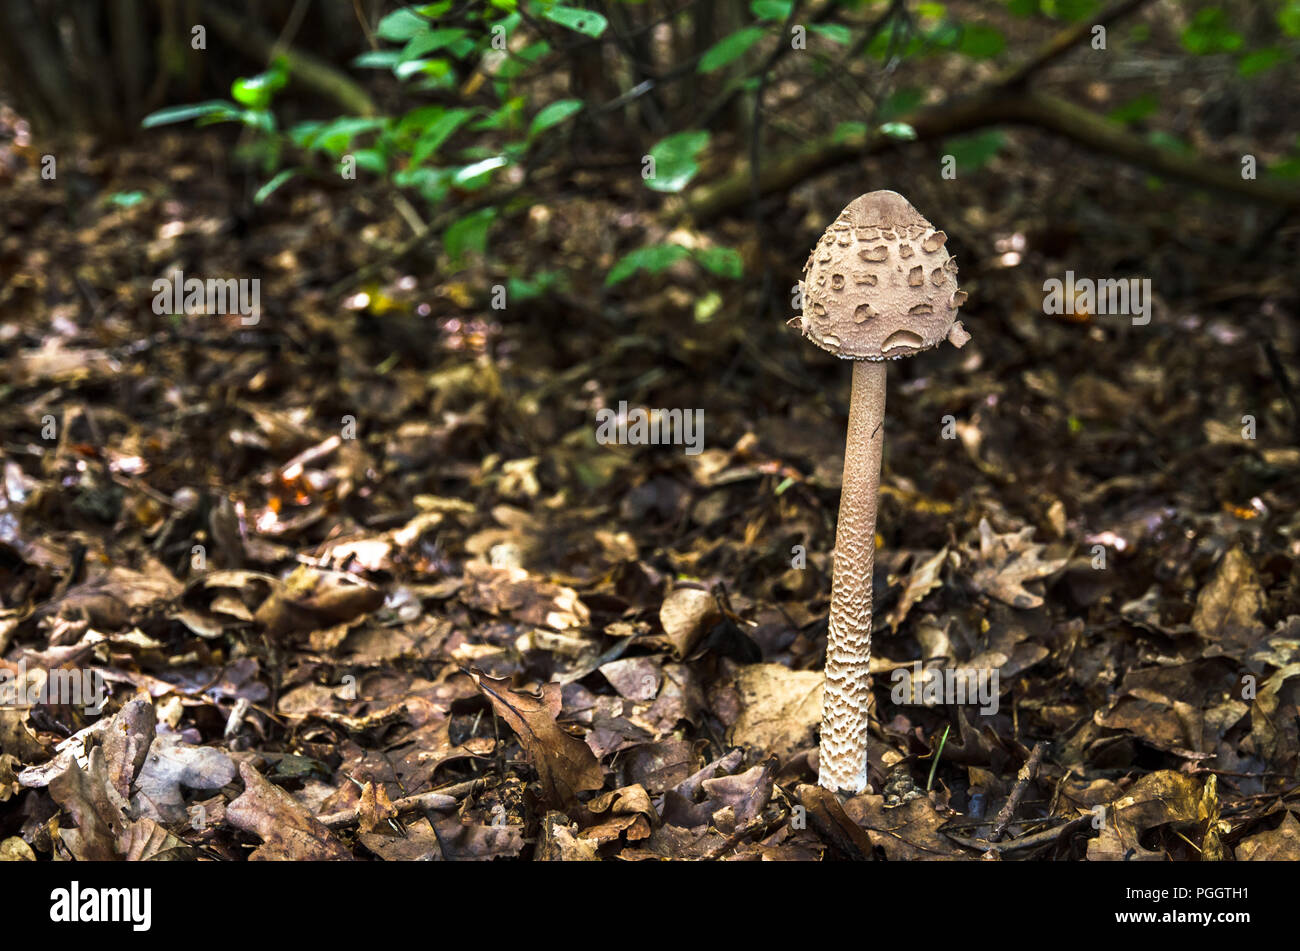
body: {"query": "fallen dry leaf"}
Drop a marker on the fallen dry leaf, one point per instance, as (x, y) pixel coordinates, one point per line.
(565, 765)
(287, 829)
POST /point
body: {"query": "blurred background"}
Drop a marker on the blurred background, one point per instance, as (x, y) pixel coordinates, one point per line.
(475, 226)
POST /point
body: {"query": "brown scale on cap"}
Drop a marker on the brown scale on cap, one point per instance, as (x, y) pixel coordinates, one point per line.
(880, 284)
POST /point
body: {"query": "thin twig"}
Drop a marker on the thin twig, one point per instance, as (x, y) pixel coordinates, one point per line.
(1018, 792)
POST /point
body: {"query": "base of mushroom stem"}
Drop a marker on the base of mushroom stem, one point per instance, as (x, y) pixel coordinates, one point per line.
(858, 784)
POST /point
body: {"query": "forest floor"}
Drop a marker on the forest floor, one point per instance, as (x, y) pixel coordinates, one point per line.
(370, 548)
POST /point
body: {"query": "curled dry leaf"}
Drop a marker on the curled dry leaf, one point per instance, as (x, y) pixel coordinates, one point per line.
(559, 843)
(627, 810)
(311, 599)
(97, 809)
(1004, 564)
(636, 678)
(287, 830)
(1228, 609)
(1279, 845)
(173, 763)
(743, 795)
(14, 849)
(686, 615)
(1158, 799)
(514, 592)
(110, 600)
(565, 765)
(375, 808)
(923, 579)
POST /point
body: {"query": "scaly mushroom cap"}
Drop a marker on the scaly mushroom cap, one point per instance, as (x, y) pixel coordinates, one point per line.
(880, 284)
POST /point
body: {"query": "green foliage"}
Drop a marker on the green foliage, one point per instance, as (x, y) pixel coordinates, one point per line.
(468, 234)
(1258, 61)
(539, 285)
(474, 120)
(553, 114)
(981, 42)
(1209, 32)
(656, 258)
(255, 92)
(252, 93)
(848, 130)
(724, 262)
(586, 22)
(835, 32)
(652, 259)
(729, 48)
(1288, 17)
(125, 199)
(1071, 11)
(674, 159)
(1135, 109)
(776, 10)
(972, 152)
(900, 103)
(265, 191)
(898, 130)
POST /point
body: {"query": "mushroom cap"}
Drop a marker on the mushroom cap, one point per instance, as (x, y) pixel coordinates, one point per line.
(880, 284)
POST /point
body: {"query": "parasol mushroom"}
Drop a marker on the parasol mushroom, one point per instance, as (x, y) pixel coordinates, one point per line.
(878, 286)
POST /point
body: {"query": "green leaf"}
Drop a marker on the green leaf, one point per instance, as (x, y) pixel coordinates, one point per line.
(468, 234)
(265, 191)
(1209, 33)
(725, 262)
(707, 307)
(539, 285)
(1288, 18)
(972, 152)
(1024, 8)
(981, 42)
(900, 103)
(336, 136)
(674, 159)
(1168, 141)
(1069, 10)
(835, 32)
(431, 40)
(214, 107)
(586, 22)
(777, 10)
(475, 175)
(848, 130)
(1287, 168)
(1257, 61)
(898, 130)
(378, 59)
(437, 133)
(654, 259)
(431, 67)
(730, 48)
(1138, 108)
(433, 184)
(553, 114)
(255, 91)
(372, 160)
(260, 119)
(126, 199)
(401, 25)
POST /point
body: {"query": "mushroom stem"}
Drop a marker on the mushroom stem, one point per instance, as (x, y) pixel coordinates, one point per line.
(843, 756)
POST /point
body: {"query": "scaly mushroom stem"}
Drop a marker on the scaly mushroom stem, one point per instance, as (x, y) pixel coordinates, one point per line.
(848, 644)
